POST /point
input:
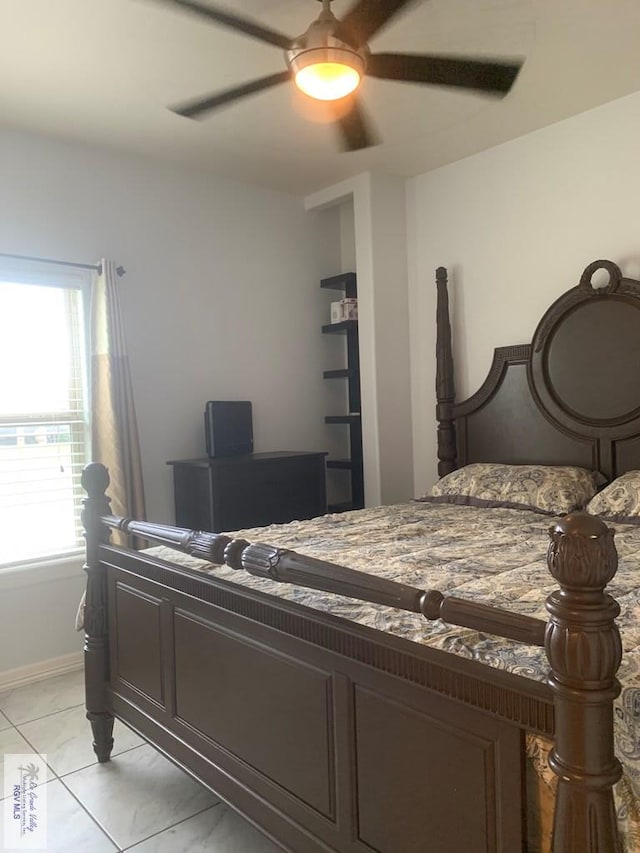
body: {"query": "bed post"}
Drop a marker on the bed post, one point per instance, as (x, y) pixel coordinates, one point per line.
(95, 481)
(584, 650)
(445, 388)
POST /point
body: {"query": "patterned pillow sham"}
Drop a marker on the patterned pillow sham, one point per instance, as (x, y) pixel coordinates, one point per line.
(620, 501)
(548, 489)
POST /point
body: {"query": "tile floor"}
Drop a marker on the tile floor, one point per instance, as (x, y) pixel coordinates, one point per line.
(139, 801)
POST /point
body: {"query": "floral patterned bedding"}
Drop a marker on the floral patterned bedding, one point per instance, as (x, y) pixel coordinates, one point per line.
(496, 556)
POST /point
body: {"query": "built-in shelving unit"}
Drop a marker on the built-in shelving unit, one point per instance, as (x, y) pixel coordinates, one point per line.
(346, 283)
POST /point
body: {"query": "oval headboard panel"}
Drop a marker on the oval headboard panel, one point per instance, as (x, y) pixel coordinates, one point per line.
(584, 367)
(570, 397)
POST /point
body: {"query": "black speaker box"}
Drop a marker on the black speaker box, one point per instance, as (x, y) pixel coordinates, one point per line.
(228, 427)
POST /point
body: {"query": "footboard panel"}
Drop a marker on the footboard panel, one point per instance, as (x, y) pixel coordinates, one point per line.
(322, 750)
(271, 711)
(448, 776)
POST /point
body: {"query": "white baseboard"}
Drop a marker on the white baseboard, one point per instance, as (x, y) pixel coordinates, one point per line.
(11, 678)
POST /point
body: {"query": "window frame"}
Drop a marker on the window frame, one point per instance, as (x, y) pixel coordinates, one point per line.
(43, 274)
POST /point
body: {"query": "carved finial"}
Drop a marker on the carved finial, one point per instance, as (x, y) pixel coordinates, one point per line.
(441, 275)
(95, 479)
(582, 554)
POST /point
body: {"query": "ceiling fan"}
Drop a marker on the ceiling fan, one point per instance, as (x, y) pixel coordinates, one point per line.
(329, 59)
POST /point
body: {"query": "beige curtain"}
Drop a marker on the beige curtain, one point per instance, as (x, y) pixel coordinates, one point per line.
(114, 432)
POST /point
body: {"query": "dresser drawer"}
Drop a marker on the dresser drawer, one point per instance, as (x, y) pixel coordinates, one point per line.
(270, 492)
(249, 491)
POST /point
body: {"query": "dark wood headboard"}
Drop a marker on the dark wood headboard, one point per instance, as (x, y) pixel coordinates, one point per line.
(570, 397)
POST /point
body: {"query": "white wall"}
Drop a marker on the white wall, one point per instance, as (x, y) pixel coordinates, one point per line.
(221, 301)
(37, 615)
(391, 335)
(515, 225)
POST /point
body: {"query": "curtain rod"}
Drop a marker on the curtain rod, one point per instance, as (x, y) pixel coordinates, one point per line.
(97, 267)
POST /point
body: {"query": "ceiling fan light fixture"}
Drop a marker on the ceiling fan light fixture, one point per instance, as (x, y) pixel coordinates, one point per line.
(329, 59)
(327, 74)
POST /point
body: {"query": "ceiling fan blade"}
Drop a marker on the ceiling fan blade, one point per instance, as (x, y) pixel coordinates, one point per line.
(355, 129)
(479, 74)
(227, 19)
(195, 108)
(366, 18)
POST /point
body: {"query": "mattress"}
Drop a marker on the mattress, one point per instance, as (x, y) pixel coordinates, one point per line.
(495, 556)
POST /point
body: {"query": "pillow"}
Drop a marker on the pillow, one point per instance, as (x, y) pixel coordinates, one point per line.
(548, 489)
(620, 501)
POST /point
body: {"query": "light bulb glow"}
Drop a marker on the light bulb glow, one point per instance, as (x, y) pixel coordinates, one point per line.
(327, 81)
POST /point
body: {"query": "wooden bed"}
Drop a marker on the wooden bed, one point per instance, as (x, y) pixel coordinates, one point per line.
(333, 736)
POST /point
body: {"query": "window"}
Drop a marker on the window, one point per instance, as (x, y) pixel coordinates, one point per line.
(44, 435)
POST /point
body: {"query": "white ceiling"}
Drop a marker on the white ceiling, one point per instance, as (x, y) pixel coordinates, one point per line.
(104, 71)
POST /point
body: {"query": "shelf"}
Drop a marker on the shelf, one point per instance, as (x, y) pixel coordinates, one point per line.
(345, 281)
(342, 419)
(341, 507)
(350, 370)
(344, 326)
(344, 373)
(339, 463)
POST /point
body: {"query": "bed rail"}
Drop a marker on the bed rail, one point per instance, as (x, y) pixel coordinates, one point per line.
(581, 639)
(285, 566)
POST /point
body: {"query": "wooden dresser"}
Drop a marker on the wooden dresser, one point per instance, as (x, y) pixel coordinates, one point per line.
(232, 492)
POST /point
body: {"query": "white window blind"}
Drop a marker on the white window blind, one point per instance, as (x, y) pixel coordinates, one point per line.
(43, 418)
